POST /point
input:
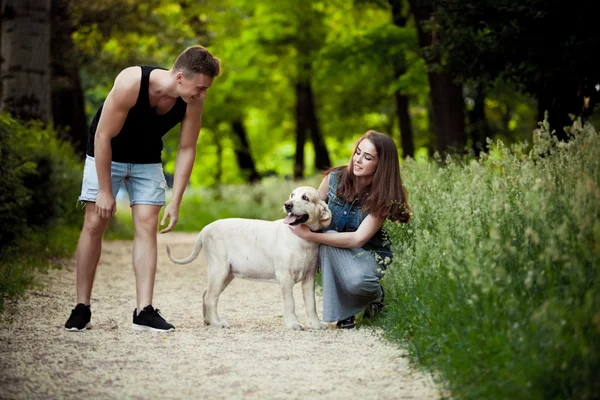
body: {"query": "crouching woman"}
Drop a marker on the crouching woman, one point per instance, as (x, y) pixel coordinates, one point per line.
(356, 249)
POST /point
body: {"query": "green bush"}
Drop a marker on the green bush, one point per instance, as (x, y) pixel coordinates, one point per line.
(43, 177)
(496, 280)
(14, 196)
(39, 218)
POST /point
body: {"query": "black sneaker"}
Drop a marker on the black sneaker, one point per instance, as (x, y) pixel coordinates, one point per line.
(376, 307)
(80, 318)
(150, 319)
(347, 323)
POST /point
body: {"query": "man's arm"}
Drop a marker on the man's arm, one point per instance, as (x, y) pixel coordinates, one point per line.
(186, 154)
(119, 101)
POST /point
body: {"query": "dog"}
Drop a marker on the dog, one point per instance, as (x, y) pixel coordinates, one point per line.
(264, 250)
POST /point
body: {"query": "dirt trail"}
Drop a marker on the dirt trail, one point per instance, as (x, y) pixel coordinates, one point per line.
(256, 359)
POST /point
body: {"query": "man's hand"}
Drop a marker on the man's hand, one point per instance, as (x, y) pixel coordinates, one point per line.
(172, 213)
(105, 204)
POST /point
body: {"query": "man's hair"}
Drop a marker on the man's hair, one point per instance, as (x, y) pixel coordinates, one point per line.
(197, 60)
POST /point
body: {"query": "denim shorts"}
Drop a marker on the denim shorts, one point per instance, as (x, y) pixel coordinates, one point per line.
(145, 183)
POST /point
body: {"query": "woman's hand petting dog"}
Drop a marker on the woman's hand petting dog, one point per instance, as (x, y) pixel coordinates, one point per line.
(301, 230)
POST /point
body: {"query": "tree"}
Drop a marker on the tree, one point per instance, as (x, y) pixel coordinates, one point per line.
(242, 151)
(545, 48)
(402, 100)
(445, 93)
(25, 68)
(293, 32)
(375, 68)
(68, 104)
(307, 39)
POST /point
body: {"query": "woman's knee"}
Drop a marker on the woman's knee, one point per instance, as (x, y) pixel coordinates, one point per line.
(361, 285)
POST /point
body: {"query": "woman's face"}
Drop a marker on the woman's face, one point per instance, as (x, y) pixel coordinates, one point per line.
(365, 159)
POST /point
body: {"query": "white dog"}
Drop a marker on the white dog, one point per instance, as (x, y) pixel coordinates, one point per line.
(264, 250)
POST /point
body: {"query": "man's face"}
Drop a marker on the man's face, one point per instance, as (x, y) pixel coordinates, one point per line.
(192, 89)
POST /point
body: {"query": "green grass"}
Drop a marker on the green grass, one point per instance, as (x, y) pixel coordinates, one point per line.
(495, 286)
(22, 263)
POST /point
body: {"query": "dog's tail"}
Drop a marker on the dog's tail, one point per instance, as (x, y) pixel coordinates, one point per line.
(191, 257)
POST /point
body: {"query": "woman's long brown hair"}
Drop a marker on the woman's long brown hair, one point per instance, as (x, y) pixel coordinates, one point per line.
(386, 196)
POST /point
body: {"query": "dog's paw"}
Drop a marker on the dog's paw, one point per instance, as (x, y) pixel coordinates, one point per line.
(295, 327)
(217, 325)
(319, 325)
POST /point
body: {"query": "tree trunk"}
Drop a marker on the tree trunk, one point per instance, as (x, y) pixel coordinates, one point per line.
(402, 101)
(322, 161)
(25, 70)
(242, 151)
(301, 129)
(68, 104)
(448, 111)
(406, 135)
(445, 95)
(307, 122)
(306, 119)
(219, 171)
(479, 127)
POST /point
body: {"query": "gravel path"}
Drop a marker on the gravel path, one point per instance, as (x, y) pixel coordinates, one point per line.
(256, 359)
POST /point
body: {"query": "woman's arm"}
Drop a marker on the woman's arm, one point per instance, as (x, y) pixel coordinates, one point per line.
(347, 240)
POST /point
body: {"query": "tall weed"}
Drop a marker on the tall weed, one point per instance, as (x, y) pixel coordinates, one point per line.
(496, 281)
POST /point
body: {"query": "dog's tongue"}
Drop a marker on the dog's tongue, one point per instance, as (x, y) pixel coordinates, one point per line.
(290, 219)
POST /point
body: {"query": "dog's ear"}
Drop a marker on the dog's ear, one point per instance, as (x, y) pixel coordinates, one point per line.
(325, 214)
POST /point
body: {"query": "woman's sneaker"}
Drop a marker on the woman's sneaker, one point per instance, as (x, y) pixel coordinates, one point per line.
(149, 319)
(376, 307)
(80, 318)
(347, 323)
(373, 309)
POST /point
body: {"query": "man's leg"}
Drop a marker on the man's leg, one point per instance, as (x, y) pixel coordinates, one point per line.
(89, 248)
(145, 223)
(87, 257)
(146, 187)
(89, 245)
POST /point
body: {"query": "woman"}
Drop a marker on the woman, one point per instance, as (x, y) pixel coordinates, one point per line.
(356, 250)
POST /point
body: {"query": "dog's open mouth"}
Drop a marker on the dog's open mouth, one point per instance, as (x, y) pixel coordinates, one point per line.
(293, 219)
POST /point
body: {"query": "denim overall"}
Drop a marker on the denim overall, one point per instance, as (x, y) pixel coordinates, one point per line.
(347, 217)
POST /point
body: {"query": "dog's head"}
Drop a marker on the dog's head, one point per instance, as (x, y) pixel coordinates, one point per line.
(306, 207)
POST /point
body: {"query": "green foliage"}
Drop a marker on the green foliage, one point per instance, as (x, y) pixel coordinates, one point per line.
(38, 214)
(496, 282)
(43, 179)
(31, 255)
(351, 51)
(13, 194)
(540, 43)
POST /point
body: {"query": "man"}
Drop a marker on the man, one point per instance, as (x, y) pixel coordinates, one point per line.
(125, 145)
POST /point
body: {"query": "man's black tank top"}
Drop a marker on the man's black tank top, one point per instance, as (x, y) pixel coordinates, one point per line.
(140, 139)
